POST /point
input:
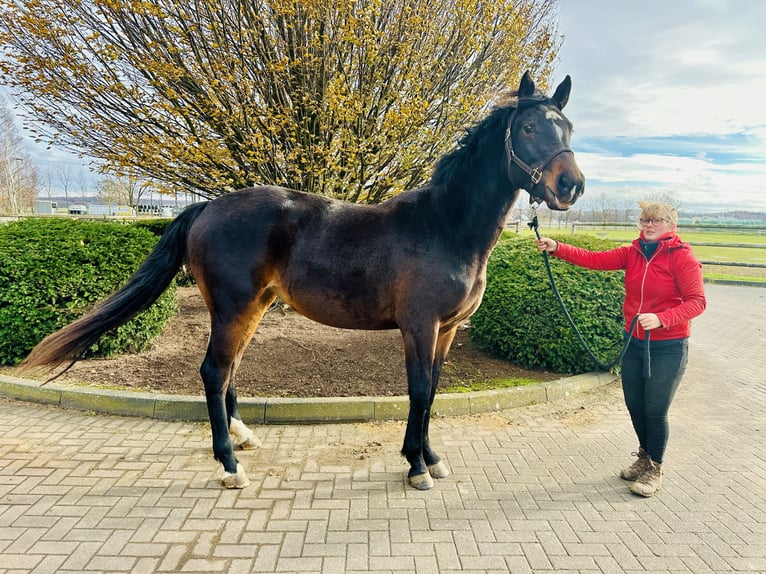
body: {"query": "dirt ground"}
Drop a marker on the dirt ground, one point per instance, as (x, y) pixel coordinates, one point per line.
(289, 356)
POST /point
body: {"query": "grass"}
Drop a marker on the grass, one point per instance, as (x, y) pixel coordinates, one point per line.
(491, 385)
(738, 254)
(731, 277)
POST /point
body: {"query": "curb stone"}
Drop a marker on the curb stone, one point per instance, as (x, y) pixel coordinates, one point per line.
(266, 410)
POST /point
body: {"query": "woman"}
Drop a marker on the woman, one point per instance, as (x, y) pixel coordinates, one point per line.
(664, 290)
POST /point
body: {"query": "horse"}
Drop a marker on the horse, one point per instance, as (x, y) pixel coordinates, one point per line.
(416, 262)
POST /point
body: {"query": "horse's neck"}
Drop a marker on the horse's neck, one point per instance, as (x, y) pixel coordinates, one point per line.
(476, 214)
(471, 190)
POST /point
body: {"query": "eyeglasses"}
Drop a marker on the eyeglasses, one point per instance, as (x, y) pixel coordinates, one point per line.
(653, 221)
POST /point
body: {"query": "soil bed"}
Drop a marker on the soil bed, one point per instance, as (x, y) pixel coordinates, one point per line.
(289, 356)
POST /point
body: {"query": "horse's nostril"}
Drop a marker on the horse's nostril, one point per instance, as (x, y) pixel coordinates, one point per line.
(569, 188)
(567, 184)
(566, 187)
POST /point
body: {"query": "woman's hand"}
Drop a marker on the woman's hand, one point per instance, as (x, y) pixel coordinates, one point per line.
(547, 244)
(649, 321)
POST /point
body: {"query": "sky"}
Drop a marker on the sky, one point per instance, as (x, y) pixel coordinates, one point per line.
(668, 98)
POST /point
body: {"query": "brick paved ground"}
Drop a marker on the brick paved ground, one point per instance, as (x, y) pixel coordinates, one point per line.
(533, 489)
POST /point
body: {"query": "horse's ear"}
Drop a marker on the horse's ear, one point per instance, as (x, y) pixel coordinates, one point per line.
(561, 97)
(526, 86)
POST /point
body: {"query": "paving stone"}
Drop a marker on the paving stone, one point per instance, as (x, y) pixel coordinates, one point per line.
(533, 489)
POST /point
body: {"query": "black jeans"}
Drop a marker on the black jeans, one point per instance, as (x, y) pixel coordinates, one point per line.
(648, 398)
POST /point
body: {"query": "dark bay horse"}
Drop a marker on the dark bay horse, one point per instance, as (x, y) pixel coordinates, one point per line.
(416, 263)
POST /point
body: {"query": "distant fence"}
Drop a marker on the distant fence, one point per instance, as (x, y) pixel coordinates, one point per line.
(514, 224)
(84, 217)
(757, 229)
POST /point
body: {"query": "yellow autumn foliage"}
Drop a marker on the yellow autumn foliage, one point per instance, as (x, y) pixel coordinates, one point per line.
(354, 99)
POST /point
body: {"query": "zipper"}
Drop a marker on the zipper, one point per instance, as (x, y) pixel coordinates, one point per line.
(643, 282)
(660, 247)
(643, 278)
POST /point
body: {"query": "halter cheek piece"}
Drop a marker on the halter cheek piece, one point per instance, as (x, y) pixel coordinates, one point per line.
(535, 173)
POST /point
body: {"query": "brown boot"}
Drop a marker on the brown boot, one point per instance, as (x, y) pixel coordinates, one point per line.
(639, 465)
(650, 480)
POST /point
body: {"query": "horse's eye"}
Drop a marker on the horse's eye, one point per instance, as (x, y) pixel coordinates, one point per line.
(528, 129)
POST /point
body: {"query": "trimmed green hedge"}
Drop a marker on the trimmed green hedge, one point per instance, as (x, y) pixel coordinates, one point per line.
(53, 270)
(520, 318)
(156, 226)
(184, 278)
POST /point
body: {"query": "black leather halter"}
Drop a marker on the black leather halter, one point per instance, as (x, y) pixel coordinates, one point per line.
(535, 172)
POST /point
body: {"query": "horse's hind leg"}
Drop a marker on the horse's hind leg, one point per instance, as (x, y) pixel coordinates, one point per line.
(215, 372)
(230, 332)
(244, 438)
(436, 468)
(241, 435)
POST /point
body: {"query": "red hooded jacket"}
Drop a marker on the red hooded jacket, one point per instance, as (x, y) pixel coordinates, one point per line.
(668, 284)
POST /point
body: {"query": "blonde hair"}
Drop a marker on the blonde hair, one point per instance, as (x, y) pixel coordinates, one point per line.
(655, 210)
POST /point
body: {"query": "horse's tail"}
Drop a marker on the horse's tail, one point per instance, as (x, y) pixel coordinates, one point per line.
(143, 288)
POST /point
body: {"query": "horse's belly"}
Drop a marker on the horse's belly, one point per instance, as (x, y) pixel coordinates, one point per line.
(342, 310)
(345, 321)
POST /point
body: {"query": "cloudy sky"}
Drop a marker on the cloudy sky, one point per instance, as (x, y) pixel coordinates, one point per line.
(668, 97)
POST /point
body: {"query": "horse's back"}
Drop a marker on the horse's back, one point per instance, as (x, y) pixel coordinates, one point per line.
(345, 265)
(311, 251)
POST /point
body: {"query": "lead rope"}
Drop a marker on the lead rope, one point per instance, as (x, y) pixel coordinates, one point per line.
(647, 371)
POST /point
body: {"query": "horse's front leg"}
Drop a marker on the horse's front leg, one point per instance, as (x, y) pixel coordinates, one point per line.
(436, 468)
(418, 353)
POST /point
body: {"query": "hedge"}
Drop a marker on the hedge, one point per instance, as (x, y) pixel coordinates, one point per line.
(521, 320)
(53, 270)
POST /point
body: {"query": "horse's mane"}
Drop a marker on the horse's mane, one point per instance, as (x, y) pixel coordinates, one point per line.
(467, 152)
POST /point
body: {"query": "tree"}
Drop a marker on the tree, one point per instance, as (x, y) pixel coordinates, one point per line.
(18, 176)
(349, 99)
(64, 176)
(124, 190)
(668, 197)
(603, 207)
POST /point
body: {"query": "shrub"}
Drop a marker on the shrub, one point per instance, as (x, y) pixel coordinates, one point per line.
(184, 277)
(521, 319)
(156, 226)
(53, 270)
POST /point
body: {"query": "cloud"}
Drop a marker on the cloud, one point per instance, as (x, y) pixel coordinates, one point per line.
(669, 95)
(698, 183)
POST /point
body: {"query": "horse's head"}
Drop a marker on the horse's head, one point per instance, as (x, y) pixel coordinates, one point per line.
(537, 145)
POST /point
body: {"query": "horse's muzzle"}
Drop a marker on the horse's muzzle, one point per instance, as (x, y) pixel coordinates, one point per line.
(564, 184)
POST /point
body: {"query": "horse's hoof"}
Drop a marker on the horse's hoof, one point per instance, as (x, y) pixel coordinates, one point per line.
(250, 443)
(241, 436)
(438, 470)
(422, 481)
(236, 480)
